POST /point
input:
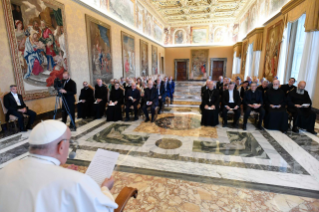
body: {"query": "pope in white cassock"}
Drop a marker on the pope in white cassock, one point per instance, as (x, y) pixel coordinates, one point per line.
(38, 183)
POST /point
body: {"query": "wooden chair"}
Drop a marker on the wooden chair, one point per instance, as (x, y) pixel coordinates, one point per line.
(12, 119)
(124, 196)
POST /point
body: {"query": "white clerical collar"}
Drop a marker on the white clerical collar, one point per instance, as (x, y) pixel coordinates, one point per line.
(46, 159)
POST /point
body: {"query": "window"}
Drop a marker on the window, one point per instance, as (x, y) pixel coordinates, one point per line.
(249, 61)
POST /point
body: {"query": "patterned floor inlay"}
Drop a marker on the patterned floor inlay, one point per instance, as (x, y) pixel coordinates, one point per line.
(11, 141)
(168, 143)
(13, 153)
(172, 195)
(181, 125)
(113, 134)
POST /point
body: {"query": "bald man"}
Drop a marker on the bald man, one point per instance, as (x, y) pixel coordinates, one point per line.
(299, 105)
(39, 183)
(210, 102)
(275, 105)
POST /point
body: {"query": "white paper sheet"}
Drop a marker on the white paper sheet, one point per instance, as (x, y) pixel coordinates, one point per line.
(305, 105)
(102, 165)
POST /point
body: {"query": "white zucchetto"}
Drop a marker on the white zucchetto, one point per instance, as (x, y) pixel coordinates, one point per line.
(47, 131)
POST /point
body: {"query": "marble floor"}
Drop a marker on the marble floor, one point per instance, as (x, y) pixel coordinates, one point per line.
(178, 165)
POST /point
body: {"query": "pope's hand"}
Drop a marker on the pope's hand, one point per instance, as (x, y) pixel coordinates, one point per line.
(108, 182)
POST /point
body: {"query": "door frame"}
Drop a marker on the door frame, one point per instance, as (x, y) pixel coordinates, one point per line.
(175, 67)
(212, 65)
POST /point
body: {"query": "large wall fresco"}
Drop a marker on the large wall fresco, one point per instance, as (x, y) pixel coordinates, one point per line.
(257, 14)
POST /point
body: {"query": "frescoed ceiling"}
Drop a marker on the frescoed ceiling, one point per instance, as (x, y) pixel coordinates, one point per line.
(190, 12)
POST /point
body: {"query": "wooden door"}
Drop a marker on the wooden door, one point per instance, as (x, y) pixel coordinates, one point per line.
(218, 69)
(181, 71)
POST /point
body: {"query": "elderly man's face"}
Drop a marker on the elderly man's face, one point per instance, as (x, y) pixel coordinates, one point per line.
(220, 78)
(265, 84)
(133, 86)
(276, 84)
(99, 82)
(66, 76)
(85, 84)
(150, 85)
(301, 86)
(13, 90)
(211, 85)
(116, 86)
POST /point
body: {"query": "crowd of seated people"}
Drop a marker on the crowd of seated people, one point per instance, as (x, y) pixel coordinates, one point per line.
(143, 93)
(273, 103)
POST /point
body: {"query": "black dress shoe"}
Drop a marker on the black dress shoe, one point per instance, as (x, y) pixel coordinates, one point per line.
(312, 132)
(260, 128)
(244, 127)
(235, 125)
(127, 119)
(147, 120)
(136, 118)
(295, 129)
(224, 125)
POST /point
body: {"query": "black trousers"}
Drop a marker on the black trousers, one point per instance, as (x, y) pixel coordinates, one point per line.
(161, 102)
(20, 117)
(236, 113)
(259, 110)
(128, 105)
(144, 108)
(71, 107)
(303, 117)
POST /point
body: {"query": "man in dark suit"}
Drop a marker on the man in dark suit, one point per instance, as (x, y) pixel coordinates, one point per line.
(132, 98)
(161, 94)
(86, 101)
(150, 99)
(219, 84)
(100, 95)
(167, 89)
(68, 91)
(253, 101)
(289, 87)
(15, 105)
(202, 92)
(171, 84)
(231, 102)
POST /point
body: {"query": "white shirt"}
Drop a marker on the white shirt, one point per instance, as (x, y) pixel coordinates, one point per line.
(16, 97)
(231, 96)
(35, 184)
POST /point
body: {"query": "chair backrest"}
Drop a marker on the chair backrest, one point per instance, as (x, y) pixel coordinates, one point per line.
(2, 105)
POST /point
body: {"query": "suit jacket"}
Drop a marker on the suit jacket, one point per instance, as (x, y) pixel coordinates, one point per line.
(135, 94)
(151, 95)
(202, 91)
(161, 90)
(167, 88)
(87, 95)
(248, 97)
(172, 87)
(287, 89)
(11, 104)
(70, 88)
(219, 85)
(101, 93)
(236, 97)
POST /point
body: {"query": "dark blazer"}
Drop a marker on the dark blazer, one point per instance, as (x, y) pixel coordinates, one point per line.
(202, 91)
(151, 95)
(287, 89)
(135, 94)
(236, 97)
(219, 85)
(248, 97)
(11, 104)
(162, 90)
(101, 93)
(171, 86)
(70, 88)
(242, 92)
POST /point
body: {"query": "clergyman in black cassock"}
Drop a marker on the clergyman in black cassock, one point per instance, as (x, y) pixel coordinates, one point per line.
(86, 101)
(231, 102)
(150, 100)
(132, 98)
(202, 92)
(299, 105)
(263, 88)
(288, 87)
(211, 104)
(114, 109)
(253, 101)
(276, 117)
(100, 99)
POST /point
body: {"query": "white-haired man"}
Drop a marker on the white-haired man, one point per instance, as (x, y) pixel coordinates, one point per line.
(40, 184)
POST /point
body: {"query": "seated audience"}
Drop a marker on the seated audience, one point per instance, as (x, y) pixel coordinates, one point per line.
(202, 92)
(275, 102)
(100, 99)
(166, 89)
(171, 84)
(86, 100)
(237, 83)
(299, 105)
(132, 98)
(150, 100)
(15, 105)
(263, 88)
(244, 88)
(231, 102)
(211, 104)
(253, 101)
(127, 84)
(288, 87)
(248, 79)
(270, 84)
(41, 184)
(114, 109)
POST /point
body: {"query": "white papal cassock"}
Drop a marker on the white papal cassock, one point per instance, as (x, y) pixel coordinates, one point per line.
(39, 184)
